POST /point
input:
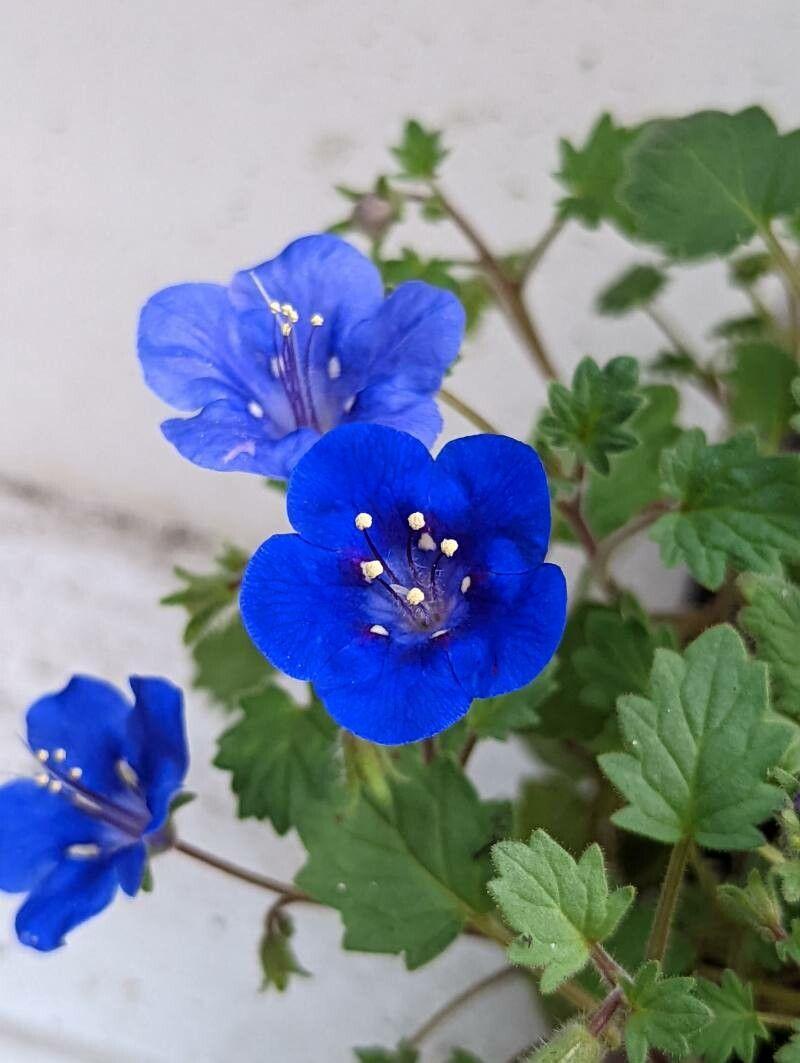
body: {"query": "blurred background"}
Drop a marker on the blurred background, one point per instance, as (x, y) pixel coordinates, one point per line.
(155, 142)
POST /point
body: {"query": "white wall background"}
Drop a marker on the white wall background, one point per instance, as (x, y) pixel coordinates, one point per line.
(164, 140)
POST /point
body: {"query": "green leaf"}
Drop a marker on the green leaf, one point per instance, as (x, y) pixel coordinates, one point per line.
(706, 183)
(747, 269)
(404, 1054)
(790, 1053)
(407, 875)
(735, 1026)
(772, 618)
(473, 292)
(500, 716)
(699, 748)
(795, 421)
(635, 288)
(460, 1055)
(559, 908)
(207, 595)
(760, 382)
(278, 961)
(747, 327)
(592, 174)
(573, 1044)
(633, 481)
(228, 666)
(420, 151)
(664, 1014)
(588, 420)
(737, 508)
(281, 757)
(788, 948)
(754, 905)
(788, 874)
(555, 804)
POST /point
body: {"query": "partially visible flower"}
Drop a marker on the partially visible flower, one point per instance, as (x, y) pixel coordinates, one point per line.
(413, 585)
(292, 348)
(107, 772)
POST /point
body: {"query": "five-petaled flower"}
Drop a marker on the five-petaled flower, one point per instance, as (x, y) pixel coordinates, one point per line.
(413, 585)
(293, 348)
(106, 773)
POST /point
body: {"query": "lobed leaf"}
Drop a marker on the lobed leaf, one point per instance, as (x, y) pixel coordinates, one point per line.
(772, 618)
(665, 1014)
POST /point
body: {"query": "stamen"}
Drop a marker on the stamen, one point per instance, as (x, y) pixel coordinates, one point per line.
(415, 596)
(275, 366)
(59, 755)
(334, 368)
(416, 521)
(426, 542)
(82, 851)
(316, 320)
(371, 570)
(42, 779)
(438, 634)
(273, 304)
(42, 755)
(448, 547)
(75, 773)
(127, 774)
(466, 583)
(55, 786)
(255, 409)
(363, 521)
(379, 629)
(286, 329)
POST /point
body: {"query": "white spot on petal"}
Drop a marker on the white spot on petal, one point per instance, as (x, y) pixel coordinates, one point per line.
(334, 368)
(425, 542)
(378, 629)
(255, 409)
(249, 447)
(83, 851)
(466, 583)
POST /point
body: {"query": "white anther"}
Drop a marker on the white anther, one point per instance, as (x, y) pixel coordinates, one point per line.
(415, 596)
(317, 320)
(466, 583)
(286, 329)
(42, 779)
(59, 755)
(416, 521)
(275, 367)
(42, 755)
(425, 542)
(379, 629)
(83, 851)
(75, 773)
(255, 409)
(273, 304)
(363, 521)
(287, 309)
(54, 786)
(127, 774)
(334, 368)
(448, 546)
(371, 570)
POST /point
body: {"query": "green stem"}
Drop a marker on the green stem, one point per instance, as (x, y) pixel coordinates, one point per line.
(771, 854)
(531, 260)
(782, 1022)
(458, 1001)
(668, 901)
(782, 259)
(705, 379)
(287, 892)
(467, 411)
(605, 1013)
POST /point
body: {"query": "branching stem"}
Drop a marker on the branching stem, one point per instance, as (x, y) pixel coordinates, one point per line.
(289, 893)
(443, 1013)
(468, 412)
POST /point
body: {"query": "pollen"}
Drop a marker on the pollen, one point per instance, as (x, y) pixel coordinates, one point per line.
(363, 521)
(416, 521)
(415, 596)
(379, 629)
(448, 546)
(371, 570)
(334, 368)
(54, 786)
(75, 773)
(42, 779)
(289, 311)
(286, 329)
(317, 320)
(274, 305)
(425, 542)
(59, 755)
(466, 583)
(42, 755)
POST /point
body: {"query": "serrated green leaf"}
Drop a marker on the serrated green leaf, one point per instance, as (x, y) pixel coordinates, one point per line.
(788, 948)
(754, 905)
(228, 666)
(505, 714)
(737, 508)
(633, 481)
(420, 151)
(207, 595)
(772, 618)
(747, 269)
(278, 961)
(664, 1014)
(788, 875)
(699, 749)
(281, 757)
(790, 1053)
(405, 876)
(592, 174)
(706, 183)
(590, 419)
(735, 1026)
(760, 381)
(472, 292)
(573, 1044)
(559, 908)
(747, 327)
(634, 288)
(403, 1054)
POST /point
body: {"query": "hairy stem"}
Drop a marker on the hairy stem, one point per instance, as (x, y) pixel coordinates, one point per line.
(705, 379)
(605, 1013)
(668, 901)
(287, 892)
(443, 1013)
(607, 965)
(532, 258)
(467, 411)
(782, 259)
(782, 1022)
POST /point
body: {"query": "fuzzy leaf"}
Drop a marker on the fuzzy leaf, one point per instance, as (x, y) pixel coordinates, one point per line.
(664, 1014)
(735, 1026)
(592, 174)
(559, 908)
(747, 269)
(420, 151)
(589, 419)
(761, 381)
(753, 905)
(706, 183)
(278, 961)
(634, 288)
(573, 1044)
(795, 421)
(788, 874)
(228, 666)
(772, 618)
(405, 876)
(207, 595)
(736, 508)
(790, 1053)
(404, 1054)
(699, 749)
(281, 757)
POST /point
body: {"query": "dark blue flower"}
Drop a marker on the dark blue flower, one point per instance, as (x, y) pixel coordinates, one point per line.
(107, 771)
(293, 348)
(413, 585)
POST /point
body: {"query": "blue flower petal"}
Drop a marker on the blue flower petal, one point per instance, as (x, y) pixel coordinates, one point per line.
(130, 864)
(384, 403)
(358, 468)
(413, 338)
(35, 829)
(225, 436)
(156, 743)
(513, 628)
(391, 692)
(490, 488)
(88, 720)
(74, 891)
(300, 603)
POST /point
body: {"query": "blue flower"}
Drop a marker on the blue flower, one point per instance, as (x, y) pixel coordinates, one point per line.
(413, 585)
(107, 771)
(293, 348)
